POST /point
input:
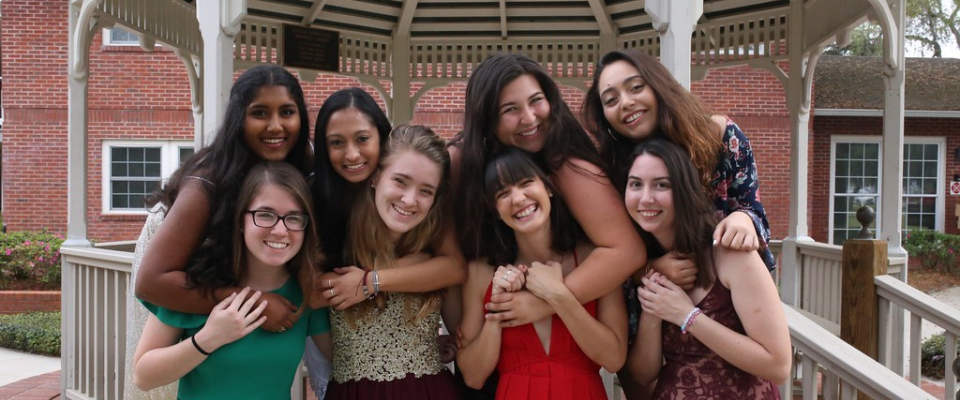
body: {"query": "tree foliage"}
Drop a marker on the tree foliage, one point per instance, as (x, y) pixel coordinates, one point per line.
(932, 25)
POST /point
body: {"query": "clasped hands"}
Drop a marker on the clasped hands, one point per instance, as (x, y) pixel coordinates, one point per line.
(511, 305)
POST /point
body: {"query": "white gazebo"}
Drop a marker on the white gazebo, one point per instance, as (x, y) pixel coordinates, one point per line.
(398, 45)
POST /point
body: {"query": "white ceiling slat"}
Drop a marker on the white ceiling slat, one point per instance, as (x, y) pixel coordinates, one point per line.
(314, 12)
(503, 19)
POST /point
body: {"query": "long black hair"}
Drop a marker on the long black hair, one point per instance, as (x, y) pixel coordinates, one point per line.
(225, 163)
(333, 196)
(510, 167)
(565, 139)
(695, 219)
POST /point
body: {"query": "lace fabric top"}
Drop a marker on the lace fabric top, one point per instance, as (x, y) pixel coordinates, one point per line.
(692, 371)
(385, 345)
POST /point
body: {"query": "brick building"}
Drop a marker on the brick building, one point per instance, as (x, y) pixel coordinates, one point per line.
(141, 121)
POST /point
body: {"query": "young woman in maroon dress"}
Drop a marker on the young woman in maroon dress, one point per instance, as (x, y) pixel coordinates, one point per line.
(726, 338)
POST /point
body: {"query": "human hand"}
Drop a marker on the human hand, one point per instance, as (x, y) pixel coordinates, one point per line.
(663, 299)
(546, 280)
(448, 348)
(232, 319)
(508, 278)
(342, 288)
(736, 232)
(516, 308)
(677, 268)
(281, 313)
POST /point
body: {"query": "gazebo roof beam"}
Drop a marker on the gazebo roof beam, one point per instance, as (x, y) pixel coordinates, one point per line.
(406, 16)
(602, 15)
(314, 12)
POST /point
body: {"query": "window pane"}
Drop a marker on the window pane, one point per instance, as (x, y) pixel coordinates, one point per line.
(185, 154)
(872, 151)
(152, 154)
(122, 36)
(153, 169)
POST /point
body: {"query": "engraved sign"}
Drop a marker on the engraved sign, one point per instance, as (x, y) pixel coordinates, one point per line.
(312, 48)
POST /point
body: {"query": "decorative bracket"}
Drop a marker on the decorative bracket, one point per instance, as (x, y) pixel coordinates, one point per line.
(87, 23)
(890, 33)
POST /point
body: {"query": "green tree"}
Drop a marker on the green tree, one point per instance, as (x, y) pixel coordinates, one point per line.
(931, 24)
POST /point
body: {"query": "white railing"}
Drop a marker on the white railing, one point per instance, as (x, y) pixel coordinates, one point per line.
(820, 269)
(921, 307)
(94, 303)
(845, 369)
(745, 37)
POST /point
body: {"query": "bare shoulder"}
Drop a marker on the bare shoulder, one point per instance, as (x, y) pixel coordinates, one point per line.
(584, 249)
(736, 266)
(577, 166)
(721, 122)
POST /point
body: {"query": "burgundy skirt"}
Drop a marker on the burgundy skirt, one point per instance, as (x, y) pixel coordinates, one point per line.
(427, 387)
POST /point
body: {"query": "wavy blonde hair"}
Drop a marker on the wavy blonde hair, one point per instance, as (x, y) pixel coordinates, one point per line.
(368, 244)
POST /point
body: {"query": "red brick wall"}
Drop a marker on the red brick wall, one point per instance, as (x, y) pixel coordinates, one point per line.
(825, 127)
(140, 95)
(17, 302)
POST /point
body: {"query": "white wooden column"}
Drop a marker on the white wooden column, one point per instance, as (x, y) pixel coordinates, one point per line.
(675, 21)
(82, 24)
(798, 103)
(401, 105)
(193, 66)
(891, 196)
(219, 24)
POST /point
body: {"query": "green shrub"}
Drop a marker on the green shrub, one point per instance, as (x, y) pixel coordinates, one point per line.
(37, 332)
(30, 260)
(935, 250)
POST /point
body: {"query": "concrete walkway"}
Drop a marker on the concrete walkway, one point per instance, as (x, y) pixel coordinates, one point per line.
(16, 366)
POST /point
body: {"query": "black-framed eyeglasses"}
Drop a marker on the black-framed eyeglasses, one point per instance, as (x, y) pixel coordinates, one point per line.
(269, 219)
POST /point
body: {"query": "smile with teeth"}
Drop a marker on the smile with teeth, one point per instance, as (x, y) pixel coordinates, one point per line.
(401, 211)
(633, 117)
(649, 214)
(276, 245)
(273, 140)
(526, 211)
(529, 132)
(355, 167)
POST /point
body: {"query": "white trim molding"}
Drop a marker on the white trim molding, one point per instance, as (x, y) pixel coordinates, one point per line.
(863, 112)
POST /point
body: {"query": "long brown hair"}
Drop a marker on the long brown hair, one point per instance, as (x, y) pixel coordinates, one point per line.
(695, 217)
(368, 243)
(681, 117)
(565, 141)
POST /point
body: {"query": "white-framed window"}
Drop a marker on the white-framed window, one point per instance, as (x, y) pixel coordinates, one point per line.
(134, 169)
(118, 36)
(856, 180)
(923, 183)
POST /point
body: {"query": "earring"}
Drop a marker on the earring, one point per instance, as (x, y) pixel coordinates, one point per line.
(549, 194)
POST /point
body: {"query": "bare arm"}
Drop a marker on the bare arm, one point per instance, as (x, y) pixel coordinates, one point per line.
(646, 354)
(765, 349)
(478, 357)
(160, 360)
(161, 279)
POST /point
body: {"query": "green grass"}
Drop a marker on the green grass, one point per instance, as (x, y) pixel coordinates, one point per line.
(37, 332)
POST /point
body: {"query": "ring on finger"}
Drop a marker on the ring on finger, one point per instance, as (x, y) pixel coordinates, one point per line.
(282, 329)
(331, 292)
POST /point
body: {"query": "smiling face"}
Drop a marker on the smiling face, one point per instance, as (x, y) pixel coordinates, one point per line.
(404, 191)
(271, 247)
(629, 103)
(271, 124)
(524, 114)
(649, 198)
(524, 206)
(352, 144)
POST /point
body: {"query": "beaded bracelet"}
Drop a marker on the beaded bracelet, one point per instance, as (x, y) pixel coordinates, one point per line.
(376, 283)
(193, 339)
(688, 321)
(363, 282)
